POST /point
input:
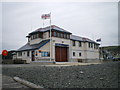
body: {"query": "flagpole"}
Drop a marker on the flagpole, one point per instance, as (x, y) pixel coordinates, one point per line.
(101, 49)
(50, 40)
(43, 23)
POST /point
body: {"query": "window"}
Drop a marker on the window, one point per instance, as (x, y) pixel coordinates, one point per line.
(45, 54)
(28, 53)
(89, 44)
(62, 35)
(19, 53)
(73, 53)
(36, 53)
(68, 36)
(73, 43)
(79, 54)
(40, 35)
(80, 44)
(55, 34)
(37, 35)
(65, 36)
(58, 34)
(94, 46)
(31, 37)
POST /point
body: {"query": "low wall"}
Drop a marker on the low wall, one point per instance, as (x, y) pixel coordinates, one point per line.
(7, 61)
(86, 60)
(93, 61)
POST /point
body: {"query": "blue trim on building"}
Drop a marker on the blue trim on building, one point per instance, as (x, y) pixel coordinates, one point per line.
(43, 44)
(63, 45)
(34, 48)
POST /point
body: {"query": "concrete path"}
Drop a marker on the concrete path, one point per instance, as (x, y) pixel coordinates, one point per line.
(39, 64)
(8, 82)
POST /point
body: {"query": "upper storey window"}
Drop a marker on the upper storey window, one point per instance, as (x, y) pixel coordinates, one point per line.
(55, 34)
(65, 36)
(80, 44)
(73, 42)
(36, 35)
(60, 35)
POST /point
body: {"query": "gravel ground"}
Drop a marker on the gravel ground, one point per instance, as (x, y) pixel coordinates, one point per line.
(104, 75)
(8, 82)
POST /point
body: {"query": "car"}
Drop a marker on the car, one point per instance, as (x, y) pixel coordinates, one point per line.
(116, 59)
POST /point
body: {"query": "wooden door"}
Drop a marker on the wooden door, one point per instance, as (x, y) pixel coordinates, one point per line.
(61, 54)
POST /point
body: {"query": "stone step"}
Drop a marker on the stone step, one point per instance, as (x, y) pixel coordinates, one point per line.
(66, 63)
(42, 62)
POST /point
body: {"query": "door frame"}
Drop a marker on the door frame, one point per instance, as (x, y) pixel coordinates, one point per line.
(33, 55)
(60, 54)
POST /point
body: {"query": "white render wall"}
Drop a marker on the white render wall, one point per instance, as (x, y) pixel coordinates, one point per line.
(24, 56)
(38, 40)
(86, 52)
(35, 41)
(45, 48)
(46, 35)
(60, 41)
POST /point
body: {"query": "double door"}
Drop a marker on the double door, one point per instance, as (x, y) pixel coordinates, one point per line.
(61, 54)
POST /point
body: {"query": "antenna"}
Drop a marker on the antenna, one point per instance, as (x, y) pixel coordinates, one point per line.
(92, 37)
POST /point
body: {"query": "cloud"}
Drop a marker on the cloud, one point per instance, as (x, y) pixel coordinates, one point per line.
(88, 19)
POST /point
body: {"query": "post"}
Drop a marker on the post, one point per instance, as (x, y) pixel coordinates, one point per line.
(101, 50)
(50, 40)
(43, 23)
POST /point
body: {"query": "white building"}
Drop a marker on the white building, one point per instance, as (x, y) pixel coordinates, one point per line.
(65, 47)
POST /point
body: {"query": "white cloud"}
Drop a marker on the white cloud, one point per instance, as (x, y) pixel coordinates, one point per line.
(84, 19)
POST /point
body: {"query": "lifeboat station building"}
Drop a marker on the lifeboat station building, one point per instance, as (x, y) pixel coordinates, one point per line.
(65, 47)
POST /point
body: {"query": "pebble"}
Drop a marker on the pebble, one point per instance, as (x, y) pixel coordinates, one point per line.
(101, 79)
(87, 76)
(81, 72)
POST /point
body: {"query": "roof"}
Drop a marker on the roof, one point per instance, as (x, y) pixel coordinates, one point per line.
(53, 27)
(83, 39)
(34, 46)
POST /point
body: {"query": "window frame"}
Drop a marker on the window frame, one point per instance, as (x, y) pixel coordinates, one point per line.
(74, 54)
(55, 34)
(80, 44)
(73, 43)
(19, 53)
(45, 54)
(28, 53)
(80, 54)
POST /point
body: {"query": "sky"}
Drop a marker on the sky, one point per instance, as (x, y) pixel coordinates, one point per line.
(92, 20)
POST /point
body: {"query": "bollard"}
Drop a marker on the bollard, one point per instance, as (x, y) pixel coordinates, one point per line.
(29, 84)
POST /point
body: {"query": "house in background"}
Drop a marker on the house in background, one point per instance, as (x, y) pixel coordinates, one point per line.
(65, 47)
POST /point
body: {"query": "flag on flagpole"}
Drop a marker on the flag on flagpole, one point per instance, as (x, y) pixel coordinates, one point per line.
(98, 40)
(45, 16)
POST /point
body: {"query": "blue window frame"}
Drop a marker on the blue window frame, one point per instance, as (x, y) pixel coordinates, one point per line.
(45, 54)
